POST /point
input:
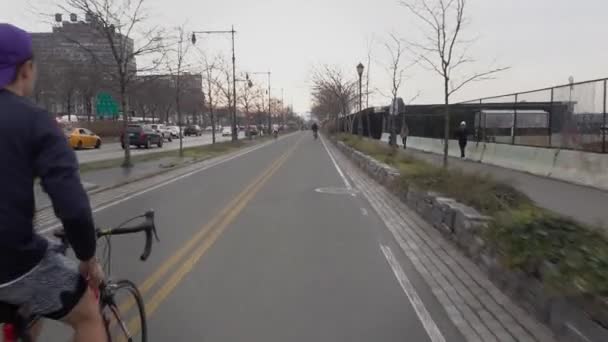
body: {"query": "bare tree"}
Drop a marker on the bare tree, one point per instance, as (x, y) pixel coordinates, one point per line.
(367, 81)
(247, 96)
(224, 85)
(118, 22)
(395, 49)
(211, 80)
(260, 106)
(152, 96)
(176, 52)
(67, 88)
(443, 49)
(89, 83)
(333, 95)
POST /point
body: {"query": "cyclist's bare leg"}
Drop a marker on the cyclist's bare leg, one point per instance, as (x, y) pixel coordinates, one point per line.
(86, 320)
(34, 330)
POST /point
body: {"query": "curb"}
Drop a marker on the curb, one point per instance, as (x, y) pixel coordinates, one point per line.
(95, 189)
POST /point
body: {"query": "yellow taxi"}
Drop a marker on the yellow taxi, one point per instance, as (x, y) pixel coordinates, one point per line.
(80, 138)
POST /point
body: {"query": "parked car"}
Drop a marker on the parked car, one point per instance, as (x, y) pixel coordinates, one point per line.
(193, 130)
(174, 131)
(163, 130)
(226, 131)
(141, 135)
(80, 138)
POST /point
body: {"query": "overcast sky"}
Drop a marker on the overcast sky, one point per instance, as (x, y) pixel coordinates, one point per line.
(543, 41)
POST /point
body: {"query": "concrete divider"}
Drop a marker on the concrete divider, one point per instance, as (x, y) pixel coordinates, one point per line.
(578, 167)
(584, 168)
(530, 159)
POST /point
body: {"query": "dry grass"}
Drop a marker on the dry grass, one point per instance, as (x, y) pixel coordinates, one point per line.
(479, 191)
(190, 153)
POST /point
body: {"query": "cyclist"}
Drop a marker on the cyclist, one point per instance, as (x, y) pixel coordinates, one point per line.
(34, 275)
(315, 129)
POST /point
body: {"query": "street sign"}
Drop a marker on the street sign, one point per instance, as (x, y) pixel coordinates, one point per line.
(106, 106)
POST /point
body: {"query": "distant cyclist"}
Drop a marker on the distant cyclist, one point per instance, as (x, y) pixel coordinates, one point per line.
(315, 129)
(34, 275)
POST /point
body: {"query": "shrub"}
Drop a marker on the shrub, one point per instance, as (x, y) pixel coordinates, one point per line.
(568, 257)
(532, 239)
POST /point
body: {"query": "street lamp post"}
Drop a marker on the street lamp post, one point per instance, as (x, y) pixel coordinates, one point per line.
(360, 68)
(269, 102)
(232, 32)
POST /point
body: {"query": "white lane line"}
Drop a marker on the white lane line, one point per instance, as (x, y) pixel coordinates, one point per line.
(159, 185)
(425, 318)
(364, 212)
(346, 182)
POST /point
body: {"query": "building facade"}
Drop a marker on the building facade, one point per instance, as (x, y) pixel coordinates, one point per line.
(75, 62)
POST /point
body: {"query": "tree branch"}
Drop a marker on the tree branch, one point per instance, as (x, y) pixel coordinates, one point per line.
(477, 77)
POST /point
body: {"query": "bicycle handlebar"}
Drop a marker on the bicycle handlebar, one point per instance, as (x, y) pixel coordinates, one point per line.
(147, 226)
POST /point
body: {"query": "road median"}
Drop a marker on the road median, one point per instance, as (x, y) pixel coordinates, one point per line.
(104, 196)
(158, 163)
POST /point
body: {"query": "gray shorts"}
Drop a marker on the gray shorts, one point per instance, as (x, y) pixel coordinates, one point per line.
(51, 289)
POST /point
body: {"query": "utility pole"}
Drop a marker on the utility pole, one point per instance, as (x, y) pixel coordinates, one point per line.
(235, 130)
(235, 133)
(269, 107)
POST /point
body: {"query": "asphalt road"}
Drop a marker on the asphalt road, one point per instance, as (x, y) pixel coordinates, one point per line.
(114, 150)
(251, 251)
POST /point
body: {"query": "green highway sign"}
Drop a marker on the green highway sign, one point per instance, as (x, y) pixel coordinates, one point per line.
(106, 106)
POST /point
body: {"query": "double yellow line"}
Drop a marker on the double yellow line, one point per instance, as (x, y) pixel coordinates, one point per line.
(195, 248)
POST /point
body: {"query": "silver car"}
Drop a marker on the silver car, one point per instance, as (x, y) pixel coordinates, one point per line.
(163, 130)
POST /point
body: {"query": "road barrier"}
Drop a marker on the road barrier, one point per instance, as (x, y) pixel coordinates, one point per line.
(585, 168)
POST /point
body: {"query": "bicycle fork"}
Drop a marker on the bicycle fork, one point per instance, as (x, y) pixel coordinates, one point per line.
(109, 302)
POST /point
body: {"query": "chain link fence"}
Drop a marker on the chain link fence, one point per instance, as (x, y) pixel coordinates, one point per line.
(571, 116)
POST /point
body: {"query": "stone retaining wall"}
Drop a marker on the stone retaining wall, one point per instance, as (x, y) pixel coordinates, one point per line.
(570, 320)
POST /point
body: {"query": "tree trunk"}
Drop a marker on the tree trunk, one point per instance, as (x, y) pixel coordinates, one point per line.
(89, 104)
(337, 128)
(211, 116)
(369, 126)
(125, 117)
(393, 138)
(69, 104)
(179, 122)
(446, 129)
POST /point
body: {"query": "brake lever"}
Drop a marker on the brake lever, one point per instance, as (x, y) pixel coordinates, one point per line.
(150, 217)
(154, 231)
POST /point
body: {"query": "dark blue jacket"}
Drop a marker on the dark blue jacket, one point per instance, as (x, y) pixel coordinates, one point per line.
(33, 146)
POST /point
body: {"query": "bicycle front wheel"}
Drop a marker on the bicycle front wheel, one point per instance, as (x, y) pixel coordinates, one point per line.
(121, 323)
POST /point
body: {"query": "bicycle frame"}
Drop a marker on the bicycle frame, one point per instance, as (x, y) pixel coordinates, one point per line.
(17, 327)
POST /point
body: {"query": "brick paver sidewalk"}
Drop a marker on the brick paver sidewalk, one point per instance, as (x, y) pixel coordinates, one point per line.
(476, 307)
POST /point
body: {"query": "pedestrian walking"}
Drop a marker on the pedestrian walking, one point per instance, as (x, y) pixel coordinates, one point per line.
(405, 131)
(462, 135)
